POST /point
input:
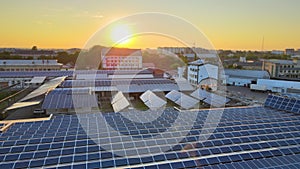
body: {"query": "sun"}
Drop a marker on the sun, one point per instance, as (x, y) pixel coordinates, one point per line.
(120, 35)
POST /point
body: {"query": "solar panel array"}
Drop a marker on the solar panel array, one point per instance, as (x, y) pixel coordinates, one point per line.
(126, 85)
(210, 98)
(283, 103)
(256, 137)
(113, 82)
(69, 99)
(11, 74)
(185, 101)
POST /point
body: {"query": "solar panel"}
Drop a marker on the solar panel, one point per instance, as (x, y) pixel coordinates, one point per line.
(119, 102)
(185, 101)
(290, 104)
(173, 95)
(152, 101)
(46, 87)
(200, 94)
(245, 138)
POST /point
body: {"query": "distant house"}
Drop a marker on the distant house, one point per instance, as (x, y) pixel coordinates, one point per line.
(203, 74)
(239, 77)
(35, 54)
(121, 59)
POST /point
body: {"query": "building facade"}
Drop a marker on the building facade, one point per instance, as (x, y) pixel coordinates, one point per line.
(121, 59)
(282, 69)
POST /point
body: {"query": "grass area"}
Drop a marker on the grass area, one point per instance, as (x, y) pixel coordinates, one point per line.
(5, 94)
(139, 105)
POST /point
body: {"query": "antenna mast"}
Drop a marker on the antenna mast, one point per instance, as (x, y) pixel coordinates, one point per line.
(262, 44)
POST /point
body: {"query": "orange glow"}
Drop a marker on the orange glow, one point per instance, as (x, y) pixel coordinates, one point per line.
(120, 36)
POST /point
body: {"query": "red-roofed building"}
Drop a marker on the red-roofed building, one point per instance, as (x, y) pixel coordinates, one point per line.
(121, 59)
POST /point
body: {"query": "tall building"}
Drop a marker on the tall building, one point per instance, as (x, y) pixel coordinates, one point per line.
(282, 69)
(121, 59)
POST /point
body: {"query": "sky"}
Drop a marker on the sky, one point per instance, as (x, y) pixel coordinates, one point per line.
(227, 24)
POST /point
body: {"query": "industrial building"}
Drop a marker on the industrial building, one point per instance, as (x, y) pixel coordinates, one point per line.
(29, 65)
(239, 77)
(277, 86)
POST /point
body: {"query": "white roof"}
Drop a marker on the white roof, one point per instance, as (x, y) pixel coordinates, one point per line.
(38, 79)
(104, 88)
(91, 76)
(256, 74)
(278, 83)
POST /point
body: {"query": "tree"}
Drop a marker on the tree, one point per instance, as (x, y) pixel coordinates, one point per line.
(34, 48)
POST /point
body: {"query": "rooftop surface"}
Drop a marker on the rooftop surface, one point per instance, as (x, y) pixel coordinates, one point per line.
(121, 52)
(257, 74)
(252, 137)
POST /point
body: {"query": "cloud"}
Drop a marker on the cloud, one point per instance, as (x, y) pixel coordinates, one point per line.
(43, 22)
(89, 15)
(97, 16)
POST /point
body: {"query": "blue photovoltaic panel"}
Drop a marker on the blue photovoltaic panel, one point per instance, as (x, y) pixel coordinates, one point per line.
(256, 137)
(290, 104)
(69, 99)
(114, 82)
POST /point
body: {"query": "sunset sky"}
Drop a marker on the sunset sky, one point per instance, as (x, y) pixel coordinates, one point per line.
(228, 24)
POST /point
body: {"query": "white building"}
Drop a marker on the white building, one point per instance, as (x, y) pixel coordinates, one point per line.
(121, 59)
(280, 86)
(203, 74)
(277, 52)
